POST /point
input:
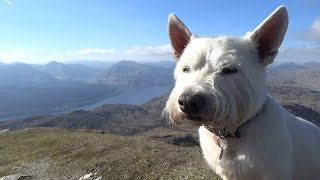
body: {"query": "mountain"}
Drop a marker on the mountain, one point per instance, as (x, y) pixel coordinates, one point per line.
(169, 64)
(311, 64)
(72, 72)
(289, 74)
(288, 66)
(22, 74)
(99, 65)
(27, 90)
(130, 74)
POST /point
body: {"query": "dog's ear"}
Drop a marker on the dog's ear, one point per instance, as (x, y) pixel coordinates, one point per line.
(179, 35)
(269, 34)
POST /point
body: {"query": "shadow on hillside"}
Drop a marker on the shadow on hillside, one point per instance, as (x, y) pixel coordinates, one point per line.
(304, 112)
(188, 140)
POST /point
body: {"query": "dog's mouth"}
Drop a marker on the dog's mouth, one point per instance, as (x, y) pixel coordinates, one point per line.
(195, 120)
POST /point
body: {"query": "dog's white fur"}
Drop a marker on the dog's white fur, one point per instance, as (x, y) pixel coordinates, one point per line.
(274, 144)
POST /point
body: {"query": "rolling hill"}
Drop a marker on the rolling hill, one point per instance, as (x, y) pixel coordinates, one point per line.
(71, 154)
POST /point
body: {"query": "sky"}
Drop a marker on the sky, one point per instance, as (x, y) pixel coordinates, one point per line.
(38, 31)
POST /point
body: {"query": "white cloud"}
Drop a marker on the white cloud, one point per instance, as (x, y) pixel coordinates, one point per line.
(136, 50)
(8, 2)
(153, 53)
(315, 28)
(162, 52)
(299, 54)
(13, 56)
(150, 50)
(139, 52)
(96, 51)
(313, 32)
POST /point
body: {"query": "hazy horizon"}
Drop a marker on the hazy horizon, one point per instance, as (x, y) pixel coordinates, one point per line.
(85, 62)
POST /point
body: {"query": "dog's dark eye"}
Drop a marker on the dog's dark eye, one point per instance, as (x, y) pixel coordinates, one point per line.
(185, 69)
(229, 70)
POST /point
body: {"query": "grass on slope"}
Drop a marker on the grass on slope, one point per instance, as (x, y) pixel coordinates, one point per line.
(69, 154)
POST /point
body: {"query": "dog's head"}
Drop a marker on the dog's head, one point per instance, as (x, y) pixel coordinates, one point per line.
(220, 81)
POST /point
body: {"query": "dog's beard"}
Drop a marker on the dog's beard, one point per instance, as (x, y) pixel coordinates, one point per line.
(212, 118)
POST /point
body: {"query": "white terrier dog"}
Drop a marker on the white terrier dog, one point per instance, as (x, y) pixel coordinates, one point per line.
(220, 86)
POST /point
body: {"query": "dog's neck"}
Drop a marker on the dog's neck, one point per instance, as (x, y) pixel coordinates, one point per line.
(223, 136)
(221, 133)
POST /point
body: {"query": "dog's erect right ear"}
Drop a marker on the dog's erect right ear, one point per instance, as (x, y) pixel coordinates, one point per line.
(179, 35)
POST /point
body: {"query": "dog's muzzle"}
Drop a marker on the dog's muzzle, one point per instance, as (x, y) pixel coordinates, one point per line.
(191, 104)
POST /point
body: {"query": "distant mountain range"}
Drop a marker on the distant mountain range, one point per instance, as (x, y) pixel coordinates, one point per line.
(290, 74)
(72, 72)
(130, 74)
(20, 74)
(27, 89)
(123, 73)
(287, 82)
(100, 65)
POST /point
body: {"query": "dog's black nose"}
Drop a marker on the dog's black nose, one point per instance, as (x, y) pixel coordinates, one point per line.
(191, 103)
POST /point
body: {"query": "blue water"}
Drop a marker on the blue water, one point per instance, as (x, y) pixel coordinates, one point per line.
(130, 96)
